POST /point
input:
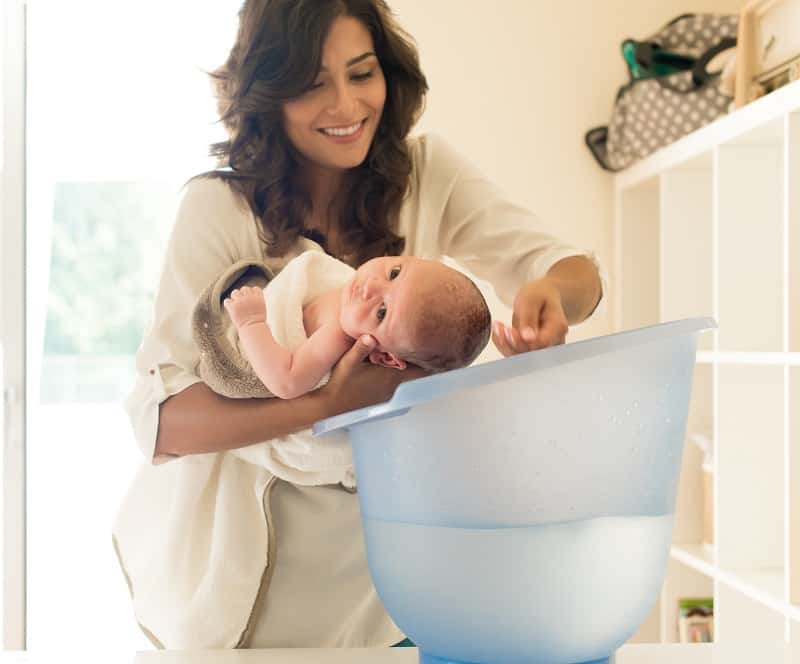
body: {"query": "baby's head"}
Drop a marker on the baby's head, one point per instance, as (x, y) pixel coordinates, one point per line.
(420, 312)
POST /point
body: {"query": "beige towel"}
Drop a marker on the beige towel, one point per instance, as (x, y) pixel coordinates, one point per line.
(222, 365)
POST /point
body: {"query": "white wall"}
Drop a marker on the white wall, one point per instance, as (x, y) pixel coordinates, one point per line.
(515, 84)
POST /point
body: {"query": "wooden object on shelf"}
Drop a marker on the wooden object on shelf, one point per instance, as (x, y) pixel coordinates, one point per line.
(768, 48)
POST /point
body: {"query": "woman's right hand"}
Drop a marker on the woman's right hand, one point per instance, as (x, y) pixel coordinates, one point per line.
(355, 383)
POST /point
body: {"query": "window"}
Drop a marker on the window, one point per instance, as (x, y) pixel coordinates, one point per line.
(119, 115)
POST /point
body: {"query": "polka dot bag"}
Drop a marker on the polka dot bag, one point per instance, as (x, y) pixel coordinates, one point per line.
(671, 92)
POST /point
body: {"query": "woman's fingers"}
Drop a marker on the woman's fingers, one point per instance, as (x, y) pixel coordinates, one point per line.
(511, 341)
(355, 383)
(508, 340)
(499, 339)
(360, 350)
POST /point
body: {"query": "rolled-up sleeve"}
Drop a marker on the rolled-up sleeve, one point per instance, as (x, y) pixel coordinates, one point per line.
(212, 230)
(480, 228)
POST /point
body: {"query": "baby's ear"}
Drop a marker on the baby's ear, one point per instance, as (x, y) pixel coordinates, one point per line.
(386, 359)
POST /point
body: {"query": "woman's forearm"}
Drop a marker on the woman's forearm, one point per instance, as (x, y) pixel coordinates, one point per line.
(579, 283)
(198, 420)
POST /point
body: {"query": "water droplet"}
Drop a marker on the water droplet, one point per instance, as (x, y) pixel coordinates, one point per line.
(635, 404)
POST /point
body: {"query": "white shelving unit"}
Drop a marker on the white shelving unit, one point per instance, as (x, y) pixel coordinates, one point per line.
(711, 226)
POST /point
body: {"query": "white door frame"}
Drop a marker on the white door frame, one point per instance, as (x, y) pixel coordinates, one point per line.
(13, 348)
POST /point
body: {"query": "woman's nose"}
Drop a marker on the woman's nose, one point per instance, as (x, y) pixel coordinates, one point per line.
(343, 103)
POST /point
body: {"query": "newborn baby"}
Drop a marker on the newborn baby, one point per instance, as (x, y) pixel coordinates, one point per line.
(418, 312)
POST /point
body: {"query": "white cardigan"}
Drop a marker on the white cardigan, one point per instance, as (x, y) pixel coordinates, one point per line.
(194, 535)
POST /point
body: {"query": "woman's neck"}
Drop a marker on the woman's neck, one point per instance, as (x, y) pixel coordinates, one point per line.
(324, 189)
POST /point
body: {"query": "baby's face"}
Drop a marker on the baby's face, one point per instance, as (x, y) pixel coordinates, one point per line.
(383, 299)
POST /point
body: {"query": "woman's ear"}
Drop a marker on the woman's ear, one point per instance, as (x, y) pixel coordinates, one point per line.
(386, 359)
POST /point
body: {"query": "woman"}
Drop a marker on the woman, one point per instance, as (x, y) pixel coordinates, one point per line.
(318, 97)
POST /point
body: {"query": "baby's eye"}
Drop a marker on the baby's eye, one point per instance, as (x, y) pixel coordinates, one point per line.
(381, 312)
(394, 272)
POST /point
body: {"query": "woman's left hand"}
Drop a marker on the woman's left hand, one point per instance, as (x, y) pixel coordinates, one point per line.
(539, 320)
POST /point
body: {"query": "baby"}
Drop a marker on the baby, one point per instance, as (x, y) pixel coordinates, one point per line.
(418, 312)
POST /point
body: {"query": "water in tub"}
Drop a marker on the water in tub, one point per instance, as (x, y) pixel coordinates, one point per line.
(559, 590)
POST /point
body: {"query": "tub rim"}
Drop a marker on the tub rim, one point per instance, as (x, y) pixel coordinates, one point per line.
(422, 390)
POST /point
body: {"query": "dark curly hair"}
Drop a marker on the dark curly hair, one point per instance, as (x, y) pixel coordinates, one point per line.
(276, 57)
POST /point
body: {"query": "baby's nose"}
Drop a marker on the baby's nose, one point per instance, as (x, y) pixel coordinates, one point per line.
(368, 289)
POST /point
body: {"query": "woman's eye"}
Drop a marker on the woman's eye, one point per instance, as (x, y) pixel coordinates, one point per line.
(362, 77)
(394, 272)
(381, 312)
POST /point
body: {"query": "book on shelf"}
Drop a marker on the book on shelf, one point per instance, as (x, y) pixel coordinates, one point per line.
(696, 620)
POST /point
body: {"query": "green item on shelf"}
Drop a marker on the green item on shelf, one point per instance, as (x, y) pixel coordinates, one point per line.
(629, 53)
(646, 60)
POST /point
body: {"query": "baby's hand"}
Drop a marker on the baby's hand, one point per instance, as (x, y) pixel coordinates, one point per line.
(246, 306)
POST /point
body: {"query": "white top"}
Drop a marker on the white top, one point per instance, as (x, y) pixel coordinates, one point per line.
(195, 536)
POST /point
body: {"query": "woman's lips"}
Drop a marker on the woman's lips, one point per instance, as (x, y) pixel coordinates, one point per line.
(346, 138)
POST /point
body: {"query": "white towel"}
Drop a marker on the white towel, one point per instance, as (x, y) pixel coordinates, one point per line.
(300, 458)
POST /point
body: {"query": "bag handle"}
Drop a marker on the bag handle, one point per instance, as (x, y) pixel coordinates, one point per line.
(700, 73)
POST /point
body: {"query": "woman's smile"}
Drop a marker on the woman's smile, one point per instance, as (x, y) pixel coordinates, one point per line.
(347, 134)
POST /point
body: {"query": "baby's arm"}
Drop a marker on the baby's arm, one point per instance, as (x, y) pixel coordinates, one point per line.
(285, 374)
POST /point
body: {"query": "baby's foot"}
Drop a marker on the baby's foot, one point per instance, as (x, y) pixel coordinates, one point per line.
(246, 306)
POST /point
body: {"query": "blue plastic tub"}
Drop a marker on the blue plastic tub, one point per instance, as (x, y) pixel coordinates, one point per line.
(521, 510)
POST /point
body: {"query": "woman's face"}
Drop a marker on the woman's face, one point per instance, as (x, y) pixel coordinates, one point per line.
(333, 123)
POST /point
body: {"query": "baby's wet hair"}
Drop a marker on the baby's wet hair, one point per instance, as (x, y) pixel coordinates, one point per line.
(454, 327)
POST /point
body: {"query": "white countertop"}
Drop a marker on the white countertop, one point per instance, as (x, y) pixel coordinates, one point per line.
(732, 653)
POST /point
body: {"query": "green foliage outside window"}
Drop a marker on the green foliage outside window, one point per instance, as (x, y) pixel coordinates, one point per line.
(108, 241)
(107, 245)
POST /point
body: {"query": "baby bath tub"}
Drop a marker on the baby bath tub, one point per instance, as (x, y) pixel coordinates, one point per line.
(521, 510)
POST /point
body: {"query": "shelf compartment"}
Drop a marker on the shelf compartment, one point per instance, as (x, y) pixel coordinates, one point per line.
(793, 218)
(749, 229)
(739, 618)
(689, 521)
(793, 497)
(637, 259)
(749, 467)
(682, 582)
(696, 556)
(685, 218)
